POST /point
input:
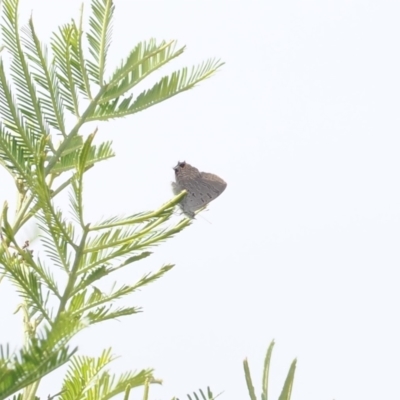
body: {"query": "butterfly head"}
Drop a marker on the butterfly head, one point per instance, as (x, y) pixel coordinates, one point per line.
(179, 166)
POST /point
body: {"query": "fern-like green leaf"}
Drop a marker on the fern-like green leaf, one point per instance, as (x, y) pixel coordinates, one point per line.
(288, 386)
(10, 112)
(120, 244)
(166, 88)
(18, 370)
(208, 395)
(29, 104)
(87, 375)
(57, 236)
(105, 313)
(46, 78)
(144, 59)
(91, 277)
(28, 285)
(99, 38)
(249, 381)
(47, 277)
(267, 365)
(98, 306)
(13, 155)
(71, 69)
(18, 141)
(93, 300)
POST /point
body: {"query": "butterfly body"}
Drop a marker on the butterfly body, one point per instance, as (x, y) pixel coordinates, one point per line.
(201, 187)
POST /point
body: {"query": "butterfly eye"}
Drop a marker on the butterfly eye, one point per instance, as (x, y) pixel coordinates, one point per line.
(182, 164)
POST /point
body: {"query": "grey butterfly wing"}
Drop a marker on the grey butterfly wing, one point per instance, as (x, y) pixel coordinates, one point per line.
(195, 199)
(202, 191)
(215, 183)
(202, 187)
(190, 202)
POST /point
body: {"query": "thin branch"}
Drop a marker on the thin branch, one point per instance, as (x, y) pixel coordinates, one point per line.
(73, 274)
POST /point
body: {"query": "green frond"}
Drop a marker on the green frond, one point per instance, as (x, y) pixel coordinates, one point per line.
(57, 236)
(116, 243)
(26, 276)
(157, 237)
(95, 274)
(208, 395)
(267, 365)
(83, 156)
(68, 87)
(51, 219)
(46, 78)
(105, 313)
(19, 141)
(75, 143)
(249, 381)
(60, 228)
(81, 56)
(120, 221)
(29, 365)
(75, 201)
(83, 372)
(120, 244)
(97, 154)
(98, 306)
(25, 272)
(47, 277)
(29, 104)
(148, 216)
(91, 277)
(71, 70)
(117, 237)
(91, 301)
(133, 259)
(14, 156)
(28, 284)
(77, 303)
(107, 248)
(20, 396)
(288, 386)
(99, 37)
(65, 163)
(63, 328)
(166, 88)
(10, 114)
(131, 379)
(151, 277)
(57, 250)
(87, 375)
(144, 59)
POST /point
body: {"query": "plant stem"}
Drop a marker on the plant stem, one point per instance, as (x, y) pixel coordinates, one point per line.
(73, 274)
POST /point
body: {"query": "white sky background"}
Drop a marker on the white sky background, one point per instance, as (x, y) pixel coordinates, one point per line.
(303, 246)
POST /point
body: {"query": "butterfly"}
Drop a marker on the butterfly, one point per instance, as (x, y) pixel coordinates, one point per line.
(201, 187)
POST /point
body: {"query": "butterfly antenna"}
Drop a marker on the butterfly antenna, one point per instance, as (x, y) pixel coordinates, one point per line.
(205, 219)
